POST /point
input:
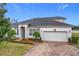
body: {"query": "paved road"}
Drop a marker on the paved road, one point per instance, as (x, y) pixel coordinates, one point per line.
(53, 49)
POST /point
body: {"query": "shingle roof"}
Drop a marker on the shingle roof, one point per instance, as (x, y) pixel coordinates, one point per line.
(44, 21)
(50, 18)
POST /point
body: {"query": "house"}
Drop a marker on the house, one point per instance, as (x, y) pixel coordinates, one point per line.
(50, 28)
(75, 29)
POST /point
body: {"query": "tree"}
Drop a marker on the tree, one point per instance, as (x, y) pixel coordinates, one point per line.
(13, 21)
(11, 34)
(75, 28)
(4, 22)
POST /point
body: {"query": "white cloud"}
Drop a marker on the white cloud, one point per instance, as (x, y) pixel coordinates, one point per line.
(59, 7)
(65, 6)
(62, 6)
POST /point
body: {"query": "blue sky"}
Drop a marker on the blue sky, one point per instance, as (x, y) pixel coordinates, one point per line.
(25, 11)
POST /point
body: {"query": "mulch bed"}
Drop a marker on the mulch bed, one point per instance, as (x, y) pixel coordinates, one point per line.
(27, 41)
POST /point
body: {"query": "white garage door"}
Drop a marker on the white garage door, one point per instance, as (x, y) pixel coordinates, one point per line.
(55, 36)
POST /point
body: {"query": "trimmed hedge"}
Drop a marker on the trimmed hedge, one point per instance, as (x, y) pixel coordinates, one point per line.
(75, 39)
(37, 36)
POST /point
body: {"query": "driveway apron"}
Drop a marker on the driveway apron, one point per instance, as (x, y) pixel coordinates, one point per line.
(53, 49)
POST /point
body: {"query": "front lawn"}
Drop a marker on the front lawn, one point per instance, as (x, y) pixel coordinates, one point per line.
(13, 49)
(75, 34)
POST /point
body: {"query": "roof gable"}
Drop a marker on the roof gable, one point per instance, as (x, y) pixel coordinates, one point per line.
(44, 21)
(50, 18)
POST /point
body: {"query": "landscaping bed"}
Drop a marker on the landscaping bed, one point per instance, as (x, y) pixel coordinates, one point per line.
(13, 49)
(27, 41)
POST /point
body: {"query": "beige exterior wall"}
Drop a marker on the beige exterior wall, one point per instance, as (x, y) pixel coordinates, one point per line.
(42, 29)
(26, 30)
(67, 29)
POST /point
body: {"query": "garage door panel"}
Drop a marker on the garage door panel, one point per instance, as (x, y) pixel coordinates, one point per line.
(55, 36)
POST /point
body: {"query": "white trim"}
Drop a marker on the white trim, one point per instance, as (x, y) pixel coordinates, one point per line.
(32, 28)
(55, 38)
(26, 27)
(42, 29)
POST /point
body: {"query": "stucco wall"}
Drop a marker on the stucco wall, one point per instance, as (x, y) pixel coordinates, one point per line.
(26, 30)
(68, 29)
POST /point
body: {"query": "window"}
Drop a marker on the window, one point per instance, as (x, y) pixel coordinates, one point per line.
(31, 31)
(17, 31)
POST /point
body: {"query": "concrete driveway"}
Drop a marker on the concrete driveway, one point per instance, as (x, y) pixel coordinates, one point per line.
(53, 49)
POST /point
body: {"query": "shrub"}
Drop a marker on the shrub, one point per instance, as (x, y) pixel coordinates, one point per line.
(75, 39)
(37, 35)
(69, 40)
(11, 34)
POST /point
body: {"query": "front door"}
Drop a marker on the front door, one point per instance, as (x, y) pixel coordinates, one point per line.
(22, 32)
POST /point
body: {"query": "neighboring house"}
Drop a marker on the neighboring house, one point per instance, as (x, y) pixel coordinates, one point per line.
(75, 29)
(50, 28)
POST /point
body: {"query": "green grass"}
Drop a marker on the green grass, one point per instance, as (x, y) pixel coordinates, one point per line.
(13, 49)
(75, 37)
(75, 34)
